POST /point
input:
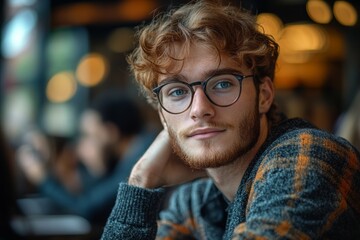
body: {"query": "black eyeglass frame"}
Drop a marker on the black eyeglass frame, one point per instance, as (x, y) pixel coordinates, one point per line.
(203, 84)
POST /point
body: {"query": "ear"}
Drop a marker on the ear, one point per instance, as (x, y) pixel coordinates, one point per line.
(266, 95)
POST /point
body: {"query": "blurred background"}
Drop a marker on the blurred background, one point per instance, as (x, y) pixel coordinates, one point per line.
(58, 55)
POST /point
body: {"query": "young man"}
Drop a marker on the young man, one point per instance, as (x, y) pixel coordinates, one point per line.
(209, 71)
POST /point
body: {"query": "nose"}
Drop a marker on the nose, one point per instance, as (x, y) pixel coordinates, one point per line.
(201, 107)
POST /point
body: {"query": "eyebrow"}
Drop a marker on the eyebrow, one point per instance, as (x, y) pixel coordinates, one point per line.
(207, 74)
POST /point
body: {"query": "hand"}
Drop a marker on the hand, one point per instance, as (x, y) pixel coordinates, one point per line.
(31, 164)
(160, 167)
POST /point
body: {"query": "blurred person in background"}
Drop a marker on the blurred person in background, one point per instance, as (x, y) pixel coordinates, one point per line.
(113, 136)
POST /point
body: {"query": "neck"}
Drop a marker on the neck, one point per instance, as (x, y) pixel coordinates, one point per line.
(228, 178)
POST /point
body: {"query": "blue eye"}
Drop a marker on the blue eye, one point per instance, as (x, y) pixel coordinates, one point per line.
(177, 92)
(222, 85)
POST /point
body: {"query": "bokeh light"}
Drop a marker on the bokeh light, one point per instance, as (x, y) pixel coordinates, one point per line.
(17, 33)
(92, 69)
(319, 11)
(299, 41)
(59, 119)
(20, 3)
(121, 40)
(271, 24)
(345, 13)
(61, 87)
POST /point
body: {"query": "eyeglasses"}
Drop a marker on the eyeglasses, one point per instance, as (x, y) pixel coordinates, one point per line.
(222, 90)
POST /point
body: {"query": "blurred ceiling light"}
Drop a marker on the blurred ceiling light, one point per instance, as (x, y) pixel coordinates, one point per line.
(135, 10)
(319, 11)
(304, 37)
(19, 3)
(271, 24)
(299, 41)
(90, 12)
(121, 40)
(61, 87)
(92, 69)
(17, 33)
(345, 13)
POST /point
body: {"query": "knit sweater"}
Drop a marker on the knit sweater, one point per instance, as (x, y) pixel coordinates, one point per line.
(303, 183)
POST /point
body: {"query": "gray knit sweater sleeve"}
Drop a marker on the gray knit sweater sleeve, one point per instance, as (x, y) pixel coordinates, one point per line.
(134, 214)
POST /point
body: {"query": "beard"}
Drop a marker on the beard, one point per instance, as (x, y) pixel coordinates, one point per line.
(247, 134)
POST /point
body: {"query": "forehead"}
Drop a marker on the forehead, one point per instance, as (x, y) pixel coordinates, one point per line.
(197, 60)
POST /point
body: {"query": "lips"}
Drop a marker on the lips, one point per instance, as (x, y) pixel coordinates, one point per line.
(201, 133)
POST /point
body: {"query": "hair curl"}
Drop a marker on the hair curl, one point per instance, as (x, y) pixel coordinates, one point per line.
(224, 28)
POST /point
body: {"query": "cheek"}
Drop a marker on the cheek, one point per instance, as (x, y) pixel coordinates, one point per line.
(174, 122)
(241, 109)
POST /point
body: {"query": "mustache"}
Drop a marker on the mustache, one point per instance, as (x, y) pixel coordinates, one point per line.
(186, 132)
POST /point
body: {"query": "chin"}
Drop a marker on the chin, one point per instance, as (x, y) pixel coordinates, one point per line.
(201, 158)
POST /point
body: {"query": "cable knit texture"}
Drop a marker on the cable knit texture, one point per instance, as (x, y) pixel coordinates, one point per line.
(303, 183)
